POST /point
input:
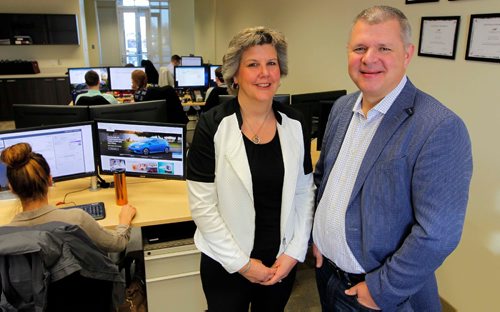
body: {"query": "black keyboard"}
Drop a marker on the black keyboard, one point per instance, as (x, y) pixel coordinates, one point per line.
(96, 210)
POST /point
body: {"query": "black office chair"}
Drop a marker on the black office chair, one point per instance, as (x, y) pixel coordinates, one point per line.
(175, 111)
(214, 98)
(55, 267)
(151, 72)
(92, 100)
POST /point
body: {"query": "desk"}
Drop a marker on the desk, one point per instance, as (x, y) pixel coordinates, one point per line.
(157, 201)
(191, 103)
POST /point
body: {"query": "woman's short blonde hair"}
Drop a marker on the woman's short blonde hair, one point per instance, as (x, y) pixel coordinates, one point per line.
(248, 38)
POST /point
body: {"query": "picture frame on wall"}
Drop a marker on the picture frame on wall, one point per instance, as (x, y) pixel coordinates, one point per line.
(419, 1)
(483, 40)
(438, 36)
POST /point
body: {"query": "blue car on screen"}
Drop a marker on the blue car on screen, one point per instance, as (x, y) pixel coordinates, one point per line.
(149, 146)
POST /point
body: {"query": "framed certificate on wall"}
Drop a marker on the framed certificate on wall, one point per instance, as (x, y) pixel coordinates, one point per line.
(438, 36)
(419, 1)
(483, 40)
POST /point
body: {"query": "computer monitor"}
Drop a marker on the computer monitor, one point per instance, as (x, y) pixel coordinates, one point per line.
(68, 149)
(282, 98)
(152, 150)
(120, 78)
(310, 104)
(190, 77)
(76, 77)
(152, 111)
(191, 60)
(212, 72)
(35, 115)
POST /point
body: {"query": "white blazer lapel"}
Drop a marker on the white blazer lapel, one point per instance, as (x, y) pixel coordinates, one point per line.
(291, 142)
(236, 156)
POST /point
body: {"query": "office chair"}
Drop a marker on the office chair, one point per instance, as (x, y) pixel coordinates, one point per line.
(55, 267)
(175, 112)
(92, 100)
(151, 71)
(214, 98)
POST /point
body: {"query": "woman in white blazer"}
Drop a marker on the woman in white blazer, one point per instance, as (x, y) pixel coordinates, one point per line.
(250, 182)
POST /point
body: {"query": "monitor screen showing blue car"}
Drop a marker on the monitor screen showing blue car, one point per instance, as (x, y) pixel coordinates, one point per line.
(143, 149)
(150, 146)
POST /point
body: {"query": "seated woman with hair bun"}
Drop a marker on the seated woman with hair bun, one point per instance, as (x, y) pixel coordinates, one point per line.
(29, 178)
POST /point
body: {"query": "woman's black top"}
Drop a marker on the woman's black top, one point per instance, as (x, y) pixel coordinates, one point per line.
(267, 169)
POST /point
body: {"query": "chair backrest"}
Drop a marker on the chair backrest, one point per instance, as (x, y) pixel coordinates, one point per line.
(175, 112)
(92, 100)
(46, 266)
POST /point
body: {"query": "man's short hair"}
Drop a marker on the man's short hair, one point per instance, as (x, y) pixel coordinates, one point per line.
(92, 78)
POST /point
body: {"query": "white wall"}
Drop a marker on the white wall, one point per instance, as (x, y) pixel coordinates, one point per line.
(317, 32)
(205, 31)
(182, 27)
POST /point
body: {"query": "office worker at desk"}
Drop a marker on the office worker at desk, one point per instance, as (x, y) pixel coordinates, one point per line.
(93, 82)
(29, 178)
(212, 96)
(250, 185)
(393, 179)
(139, 84)
(146, 92)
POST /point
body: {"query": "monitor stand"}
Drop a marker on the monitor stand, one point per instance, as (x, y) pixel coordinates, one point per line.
(93, 184)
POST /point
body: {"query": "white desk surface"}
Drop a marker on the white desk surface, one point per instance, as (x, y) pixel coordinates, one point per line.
(157, 201)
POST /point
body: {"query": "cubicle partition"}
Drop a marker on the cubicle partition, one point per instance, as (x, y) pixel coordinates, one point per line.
(35, 115)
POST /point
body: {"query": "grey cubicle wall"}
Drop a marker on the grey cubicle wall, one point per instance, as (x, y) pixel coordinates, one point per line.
(35, 115)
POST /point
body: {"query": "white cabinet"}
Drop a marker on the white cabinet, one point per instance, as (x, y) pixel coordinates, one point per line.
(173, 279)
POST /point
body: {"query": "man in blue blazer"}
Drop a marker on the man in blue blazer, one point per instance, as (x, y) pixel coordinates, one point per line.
(393, 179)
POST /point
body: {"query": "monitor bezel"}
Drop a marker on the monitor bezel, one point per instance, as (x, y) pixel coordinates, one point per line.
(49, 112)
(215, 66)
(206, 75)
(142, 123)
(200, 58)
(124, 110)
(59, 126)
(128, 68)
(87, 69)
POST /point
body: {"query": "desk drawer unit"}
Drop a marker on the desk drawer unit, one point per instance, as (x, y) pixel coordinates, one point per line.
(173, 279)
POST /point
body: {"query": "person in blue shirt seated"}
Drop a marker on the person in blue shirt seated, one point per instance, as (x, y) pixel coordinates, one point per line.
(93, 82)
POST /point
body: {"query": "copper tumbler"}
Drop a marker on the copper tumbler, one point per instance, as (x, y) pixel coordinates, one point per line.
(120, 187)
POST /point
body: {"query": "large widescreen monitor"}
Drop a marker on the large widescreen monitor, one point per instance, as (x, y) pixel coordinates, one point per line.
(36, 115)
(76, 77)
(153, 111)
(153, 150)
(190, 77)
(68, 149)
(120, 78)
(191, 60)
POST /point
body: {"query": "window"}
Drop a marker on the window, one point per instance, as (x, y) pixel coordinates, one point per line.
(145, 31)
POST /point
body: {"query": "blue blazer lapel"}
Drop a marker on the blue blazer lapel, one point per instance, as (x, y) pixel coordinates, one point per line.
(344, 120)
(395, 116)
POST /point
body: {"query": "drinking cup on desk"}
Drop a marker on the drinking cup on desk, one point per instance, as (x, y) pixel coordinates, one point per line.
(120, 187)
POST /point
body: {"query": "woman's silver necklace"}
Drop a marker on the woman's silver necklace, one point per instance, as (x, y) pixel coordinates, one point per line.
(255, 138)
